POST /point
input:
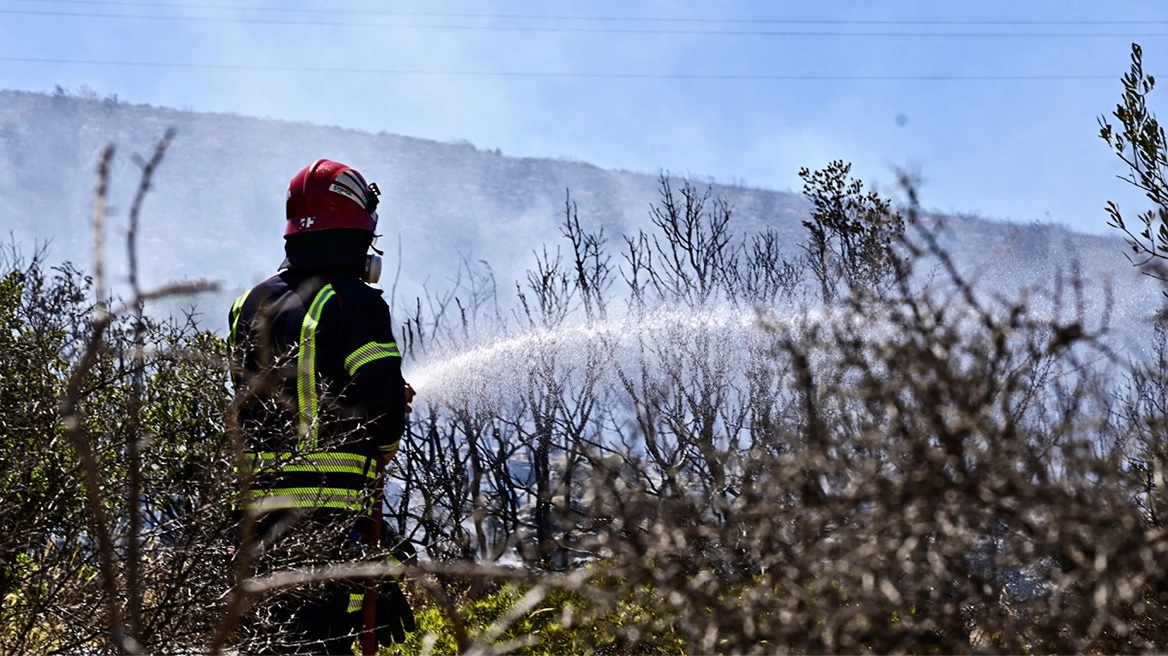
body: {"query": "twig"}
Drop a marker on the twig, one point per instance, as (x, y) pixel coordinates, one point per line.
(77, 434)
(137, 385)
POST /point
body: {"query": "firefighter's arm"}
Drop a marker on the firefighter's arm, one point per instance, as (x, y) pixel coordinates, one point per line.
(388, 455)
(378, 389)
(373, 362)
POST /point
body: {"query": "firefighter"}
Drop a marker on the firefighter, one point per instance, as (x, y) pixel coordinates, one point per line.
(321, 398)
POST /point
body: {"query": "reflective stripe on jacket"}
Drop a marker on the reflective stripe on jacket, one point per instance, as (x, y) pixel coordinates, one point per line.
(281, 481)
(317, 358)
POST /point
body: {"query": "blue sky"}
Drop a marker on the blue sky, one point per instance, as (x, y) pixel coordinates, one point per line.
(994, 103)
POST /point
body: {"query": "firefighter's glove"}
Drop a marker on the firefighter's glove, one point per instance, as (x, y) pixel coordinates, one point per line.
(394, 616)
(410, 394)
(400, 549)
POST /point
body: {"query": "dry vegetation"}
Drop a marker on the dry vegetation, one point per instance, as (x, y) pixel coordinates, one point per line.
(882, 460)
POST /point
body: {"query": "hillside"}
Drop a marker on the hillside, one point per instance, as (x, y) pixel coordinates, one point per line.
(219, 194)
(216, 209)
(903, 474)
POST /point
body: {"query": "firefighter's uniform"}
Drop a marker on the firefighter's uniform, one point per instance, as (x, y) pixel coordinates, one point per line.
(320, 393)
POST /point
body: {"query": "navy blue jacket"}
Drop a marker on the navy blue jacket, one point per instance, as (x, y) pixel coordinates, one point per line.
(318, 380)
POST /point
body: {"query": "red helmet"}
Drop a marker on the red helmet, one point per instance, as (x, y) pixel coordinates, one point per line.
(328, 195)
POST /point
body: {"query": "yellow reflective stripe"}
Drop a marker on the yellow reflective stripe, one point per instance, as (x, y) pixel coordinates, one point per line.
(356, 601)
(368, 353)
(268, 504)
(236, 309)
(387, 448)
(324, 469)
(320, 469)
(306, 369)
(314, 462)
(305, 497)
(311, 492)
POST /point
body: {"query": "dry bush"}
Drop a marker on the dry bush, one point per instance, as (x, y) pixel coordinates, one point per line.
(705, 453)
(944, 488)
(921, 467)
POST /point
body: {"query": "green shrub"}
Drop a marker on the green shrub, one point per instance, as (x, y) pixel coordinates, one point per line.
(562, 622)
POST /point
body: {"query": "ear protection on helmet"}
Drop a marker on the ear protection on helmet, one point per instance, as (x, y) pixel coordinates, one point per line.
(372, 269)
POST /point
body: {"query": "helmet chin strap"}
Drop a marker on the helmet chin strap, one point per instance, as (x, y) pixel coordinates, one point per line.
(372, 271)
